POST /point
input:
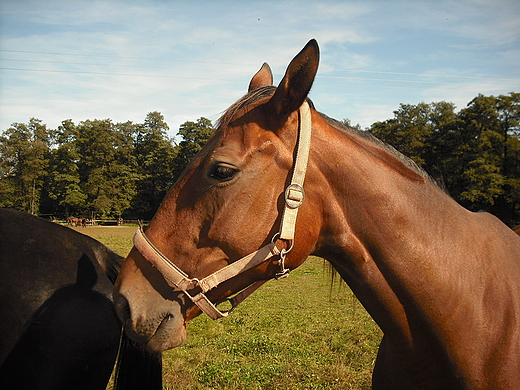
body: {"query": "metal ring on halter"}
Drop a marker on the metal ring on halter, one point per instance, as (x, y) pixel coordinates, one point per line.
(284, 251)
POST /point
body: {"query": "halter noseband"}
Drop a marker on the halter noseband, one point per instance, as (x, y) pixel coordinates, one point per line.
(194, 288)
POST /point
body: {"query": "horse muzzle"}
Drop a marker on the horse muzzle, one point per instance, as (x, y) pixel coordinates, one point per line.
(150, 311)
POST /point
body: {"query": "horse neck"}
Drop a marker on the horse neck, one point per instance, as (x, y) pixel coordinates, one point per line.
(380, 225)
(440, 281)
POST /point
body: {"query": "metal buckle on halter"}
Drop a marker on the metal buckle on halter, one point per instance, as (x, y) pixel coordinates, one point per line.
(294, 195)
(284, 272)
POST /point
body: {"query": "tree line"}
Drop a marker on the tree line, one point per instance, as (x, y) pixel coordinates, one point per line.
(110, 170)
(96, 168)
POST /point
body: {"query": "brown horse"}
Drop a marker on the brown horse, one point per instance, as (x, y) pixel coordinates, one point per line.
(443, 283)
(77, 222)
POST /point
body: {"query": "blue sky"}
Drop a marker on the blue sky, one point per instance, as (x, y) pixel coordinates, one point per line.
(122, 59)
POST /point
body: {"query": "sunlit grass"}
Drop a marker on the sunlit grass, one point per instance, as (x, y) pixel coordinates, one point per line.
(296, 333)
(117, 238)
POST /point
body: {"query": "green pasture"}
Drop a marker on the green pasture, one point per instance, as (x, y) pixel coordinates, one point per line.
(297, 333)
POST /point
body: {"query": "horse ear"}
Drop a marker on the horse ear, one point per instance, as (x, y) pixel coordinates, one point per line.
(262, 78)
(298, 79)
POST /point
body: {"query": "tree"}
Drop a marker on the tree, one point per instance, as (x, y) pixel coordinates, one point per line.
(123, 169)
(25, 156)
(107, 165)
(480, 155)
(508, 107)
(194, 137)
(155, 156)
(9, 192)
(408, 131)
(64, 182)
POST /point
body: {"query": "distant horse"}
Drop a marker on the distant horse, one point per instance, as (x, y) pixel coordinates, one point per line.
(443, 283)
(58, 326)
(77, 222)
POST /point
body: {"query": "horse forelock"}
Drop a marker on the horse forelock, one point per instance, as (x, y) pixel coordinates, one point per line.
(250, 98)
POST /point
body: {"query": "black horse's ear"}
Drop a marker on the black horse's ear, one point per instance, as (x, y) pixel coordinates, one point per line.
(298, 79)
(262, 78)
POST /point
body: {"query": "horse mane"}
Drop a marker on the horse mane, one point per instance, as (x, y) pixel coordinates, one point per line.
(405, 160)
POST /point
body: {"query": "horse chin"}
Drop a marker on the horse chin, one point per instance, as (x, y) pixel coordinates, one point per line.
(167, 336)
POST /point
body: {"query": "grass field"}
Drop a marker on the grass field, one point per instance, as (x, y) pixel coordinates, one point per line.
(296, 333)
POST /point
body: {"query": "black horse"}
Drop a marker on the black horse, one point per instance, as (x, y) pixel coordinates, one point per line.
(58, 326)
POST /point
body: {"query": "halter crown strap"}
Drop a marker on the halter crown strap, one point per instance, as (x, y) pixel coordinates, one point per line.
(195, 289)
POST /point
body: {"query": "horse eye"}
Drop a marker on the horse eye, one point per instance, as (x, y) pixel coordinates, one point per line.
(223, 173)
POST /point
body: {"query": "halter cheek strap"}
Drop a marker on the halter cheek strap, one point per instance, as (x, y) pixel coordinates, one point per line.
(194, 288)
(294, 194)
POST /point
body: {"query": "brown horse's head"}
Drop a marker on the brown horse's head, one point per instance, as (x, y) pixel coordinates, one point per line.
(226, 204)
